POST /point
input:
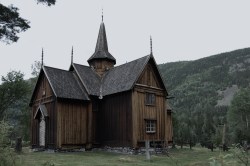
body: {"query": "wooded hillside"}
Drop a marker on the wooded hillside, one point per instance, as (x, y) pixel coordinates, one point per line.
(203, 91)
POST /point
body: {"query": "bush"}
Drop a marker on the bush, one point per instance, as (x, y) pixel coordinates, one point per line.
(7, 156)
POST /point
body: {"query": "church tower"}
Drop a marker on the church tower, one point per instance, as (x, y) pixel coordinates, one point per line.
(101, 60)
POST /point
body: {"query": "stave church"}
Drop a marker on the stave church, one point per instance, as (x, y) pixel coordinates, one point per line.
(101, 104)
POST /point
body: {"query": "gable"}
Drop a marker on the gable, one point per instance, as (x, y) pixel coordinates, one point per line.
(65, 84)
(59, 83)
(42, 88)
(151, 76)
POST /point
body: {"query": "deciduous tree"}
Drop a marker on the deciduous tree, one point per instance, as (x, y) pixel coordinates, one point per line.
(12, 89)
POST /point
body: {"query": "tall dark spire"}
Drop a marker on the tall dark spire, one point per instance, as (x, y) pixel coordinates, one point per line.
(151, 47)
(42, 59)
(101, 49)
(72, 53)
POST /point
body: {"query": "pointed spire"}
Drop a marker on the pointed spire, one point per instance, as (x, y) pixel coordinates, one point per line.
(42, 58)
(101, 49)
(102, 44)
(151, 47)
(72, 53)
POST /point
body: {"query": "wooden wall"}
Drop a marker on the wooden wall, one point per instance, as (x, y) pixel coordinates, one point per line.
(114, 120)
(149, 76)
(74, 123)
(150, 82)
(96, 107)
(143, 112)
(101, 66)
(44, 95)
(169, 126)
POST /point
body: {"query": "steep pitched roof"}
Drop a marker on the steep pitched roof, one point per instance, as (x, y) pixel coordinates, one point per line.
(117, 79)
(89, 79)
(123, 77)
(65, 84)
(101, 50)
(72, 84)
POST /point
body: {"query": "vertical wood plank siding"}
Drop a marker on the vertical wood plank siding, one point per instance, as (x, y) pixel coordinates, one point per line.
(114, 120)
(149, 77)
(149, 82)
(142, 112)
(73, 123)
(48, 100)
(68, 122)
(169, 127)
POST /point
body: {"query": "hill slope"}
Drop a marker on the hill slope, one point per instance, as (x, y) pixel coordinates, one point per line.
(203, 90)
(212, 80)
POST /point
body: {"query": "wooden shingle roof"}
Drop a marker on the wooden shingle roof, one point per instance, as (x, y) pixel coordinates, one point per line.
(89, 78)
(65, 84)
(123, 77)
(117, 79)
(81, 81)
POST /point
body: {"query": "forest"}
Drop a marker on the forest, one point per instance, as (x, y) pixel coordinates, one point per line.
(210, 94)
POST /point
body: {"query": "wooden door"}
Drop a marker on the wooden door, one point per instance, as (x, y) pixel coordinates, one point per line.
(42, 132)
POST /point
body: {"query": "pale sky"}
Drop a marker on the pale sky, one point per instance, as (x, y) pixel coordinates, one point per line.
(181, 30)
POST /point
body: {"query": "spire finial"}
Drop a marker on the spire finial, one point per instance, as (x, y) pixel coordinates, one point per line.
(42, 58)
(102, 14)
(72, 53)
(151, 47)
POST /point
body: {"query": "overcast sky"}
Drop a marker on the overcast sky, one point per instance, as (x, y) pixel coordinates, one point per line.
(181, 30)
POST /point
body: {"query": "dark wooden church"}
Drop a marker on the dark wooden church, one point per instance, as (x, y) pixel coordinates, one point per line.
(100, 104)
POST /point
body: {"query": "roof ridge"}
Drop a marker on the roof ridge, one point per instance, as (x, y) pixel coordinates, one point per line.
(81, 65)
(130, 62)
(56, 68)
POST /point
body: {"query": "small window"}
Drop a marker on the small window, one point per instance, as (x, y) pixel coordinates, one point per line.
(150, 126)
(150, 99)
(43, 92)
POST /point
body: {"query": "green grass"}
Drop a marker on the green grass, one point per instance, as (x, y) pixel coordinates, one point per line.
(179, 157)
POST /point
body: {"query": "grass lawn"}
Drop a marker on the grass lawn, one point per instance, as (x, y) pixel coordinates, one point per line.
(179, 157)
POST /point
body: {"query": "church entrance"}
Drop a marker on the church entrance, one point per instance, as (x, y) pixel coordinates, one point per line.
(41, 115)
(42, 131)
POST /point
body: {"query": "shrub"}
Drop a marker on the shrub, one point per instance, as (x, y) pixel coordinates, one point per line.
(7, 156)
